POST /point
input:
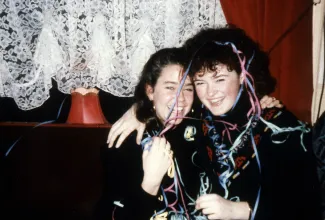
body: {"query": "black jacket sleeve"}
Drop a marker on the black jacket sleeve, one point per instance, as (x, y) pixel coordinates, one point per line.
(289, 186)
(123, 196)
(319, 150)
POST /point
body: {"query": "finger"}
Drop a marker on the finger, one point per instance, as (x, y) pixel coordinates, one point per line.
(209, 210)
(145, 153)
(140, 133)
(214, 216)
(162, 144)
(269, 102)
(112, 138)
(115, 134)
(169, 152)
(275, 102)
(205, 197)
(167, 146)
(155, 144)
(122, 137)
(279, 105)
(263, 99)
(115, 126)
(202, 205)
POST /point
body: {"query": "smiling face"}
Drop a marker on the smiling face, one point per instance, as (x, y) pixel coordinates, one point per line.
(164, 93)
(217, 90)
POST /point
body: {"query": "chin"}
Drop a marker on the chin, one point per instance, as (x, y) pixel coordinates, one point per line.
(173, 122)
(219, 111)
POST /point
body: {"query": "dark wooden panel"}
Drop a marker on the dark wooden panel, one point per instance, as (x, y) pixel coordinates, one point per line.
(54, 171)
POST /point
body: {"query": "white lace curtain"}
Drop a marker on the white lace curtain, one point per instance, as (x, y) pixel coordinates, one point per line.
(90, 43)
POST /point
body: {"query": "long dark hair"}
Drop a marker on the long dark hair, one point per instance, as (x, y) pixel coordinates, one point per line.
(149, 76)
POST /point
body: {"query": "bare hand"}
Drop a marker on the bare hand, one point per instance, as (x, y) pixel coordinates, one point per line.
(155, 162)
(124, 127)
(270, 102)
(216, 207)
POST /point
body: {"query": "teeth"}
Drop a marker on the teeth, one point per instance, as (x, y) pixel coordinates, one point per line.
(178, 109)
(216, 100)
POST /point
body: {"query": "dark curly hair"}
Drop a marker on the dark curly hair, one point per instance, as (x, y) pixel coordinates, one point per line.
(149, 76)
(208, 55)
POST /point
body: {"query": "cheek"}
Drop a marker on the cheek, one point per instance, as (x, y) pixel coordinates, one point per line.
(162, 97)
(199, 92)
(233, 89)
(189, 97)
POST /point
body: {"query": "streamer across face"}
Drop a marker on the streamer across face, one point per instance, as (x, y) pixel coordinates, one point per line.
(217, 89)
(165, 90)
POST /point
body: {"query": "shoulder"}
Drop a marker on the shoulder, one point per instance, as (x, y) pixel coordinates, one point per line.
(283, 128)
(280, 116)
(281, 122)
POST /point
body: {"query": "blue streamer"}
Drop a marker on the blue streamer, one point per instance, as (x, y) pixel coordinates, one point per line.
(38, 125)
(250, 60)
(179, 89)
(260, 169)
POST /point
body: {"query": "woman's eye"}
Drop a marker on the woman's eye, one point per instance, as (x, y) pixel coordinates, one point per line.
(189, 89)
(198, 83)
(170, 88)
(220, 80)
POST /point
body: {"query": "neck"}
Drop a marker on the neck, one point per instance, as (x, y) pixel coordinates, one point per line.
(238, 114)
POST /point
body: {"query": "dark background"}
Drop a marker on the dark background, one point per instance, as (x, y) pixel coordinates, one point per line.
(53, 171)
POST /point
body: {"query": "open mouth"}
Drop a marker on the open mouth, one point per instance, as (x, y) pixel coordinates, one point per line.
(177, 110)
(216, 102)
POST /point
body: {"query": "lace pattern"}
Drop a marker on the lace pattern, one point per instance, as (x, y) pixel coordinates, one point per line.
(90, 43)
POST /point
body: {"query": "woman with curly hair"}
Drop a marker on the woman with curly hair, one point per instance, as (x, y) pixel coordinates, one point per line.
(263, 157)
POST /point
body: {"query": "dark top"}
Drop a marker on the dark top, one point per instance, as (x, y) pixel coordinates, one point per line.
(123, 171)
(319, 150)
(287, 175)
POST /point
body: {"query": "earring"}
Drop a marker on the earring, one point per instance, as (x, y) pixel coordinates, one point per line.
(154, 108)
(192, 110)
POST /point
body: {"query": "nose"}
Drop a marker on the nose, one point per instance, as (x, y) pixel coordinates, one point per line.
(211, 90)
(181, 97)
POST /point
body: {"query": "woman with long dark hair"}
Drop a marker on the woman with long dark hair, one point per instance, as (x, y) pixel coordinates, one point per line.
(163, 178)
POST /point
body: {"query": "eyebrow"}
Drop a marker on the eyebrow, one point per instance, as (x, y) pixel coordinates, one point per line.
(214, 76)
(176, 83)
(170, 82)
(219, 75)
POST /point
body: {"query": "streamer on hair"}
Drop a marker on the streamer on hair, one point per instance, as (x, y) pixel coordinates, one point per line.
(225, 157)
